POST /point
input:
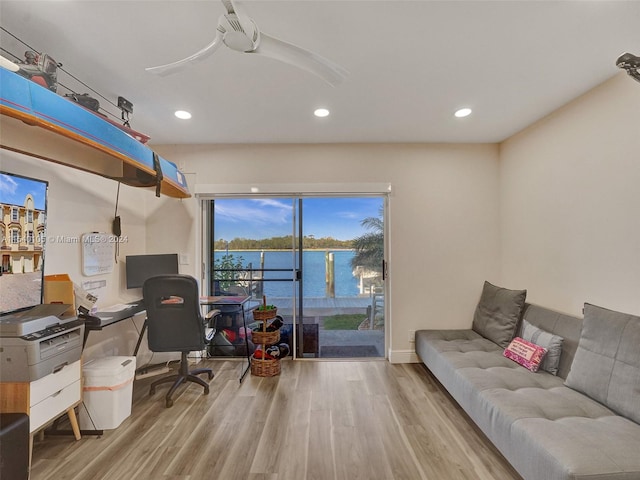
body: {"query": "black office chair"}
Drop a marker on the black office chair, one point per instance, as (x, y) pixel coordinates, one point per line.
(174, 323)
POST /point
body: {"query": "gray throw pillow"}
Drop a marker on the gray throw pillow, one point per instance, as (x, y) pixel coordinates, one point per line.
(498, 312)
(606, 366)
(553, 344)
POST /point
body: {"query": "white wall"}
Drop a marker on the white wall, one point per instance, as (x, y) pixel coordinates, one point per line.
(80, 203)
(171, 226)
(444, 233)
(570, 203)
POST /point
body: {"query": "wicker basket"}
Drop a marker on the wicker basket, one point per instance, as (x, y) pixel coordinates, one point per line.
(265, 338)
(262, 367)
(262, 315)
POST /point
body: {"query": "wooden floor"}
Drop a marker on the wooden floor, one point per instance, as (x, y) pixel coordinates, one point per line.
(316, 420)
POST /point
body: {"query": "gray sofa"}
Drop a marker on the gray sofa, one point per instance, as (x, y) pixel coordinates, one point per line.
(544, 428)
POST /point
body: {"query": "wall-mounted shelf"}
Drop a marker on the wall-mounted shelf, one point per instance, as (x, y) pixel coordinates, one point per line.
(40, 123)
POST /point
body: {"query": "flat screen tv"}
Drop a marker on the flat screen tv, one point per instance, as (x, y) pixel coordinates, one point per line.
(23, 210)
(141, 267)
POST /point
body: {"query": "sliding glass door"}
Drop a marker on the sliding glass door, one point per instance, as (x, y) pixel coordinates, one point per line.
(320, 260)
(342, 248)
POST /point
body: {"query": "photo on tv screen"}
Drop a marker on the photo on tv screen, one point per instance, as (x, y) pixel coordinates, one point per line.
(23, 203)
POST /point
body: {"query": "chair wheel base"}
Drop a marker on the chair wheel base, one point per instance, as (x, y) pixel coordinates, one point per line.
(183, 376)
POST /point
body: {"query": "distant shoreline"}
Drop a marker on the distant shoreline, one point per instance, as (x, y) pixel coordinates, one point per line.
(286, 250)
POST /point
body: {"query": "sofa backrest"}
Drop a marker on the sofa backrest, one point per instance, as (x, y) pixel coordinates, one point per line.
(563, 325)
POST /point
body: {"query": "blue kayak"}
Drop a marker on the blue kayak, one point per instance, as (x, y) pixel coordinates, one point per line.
(69, 134)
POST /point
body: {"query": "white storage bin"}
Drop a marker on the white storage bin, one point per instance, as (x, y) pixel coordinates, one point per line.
(107, 392)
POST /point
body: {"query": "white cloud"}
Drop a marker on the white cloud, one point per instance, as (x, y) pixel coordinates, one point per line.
(258, 211)
(8, 185)
(349, 215)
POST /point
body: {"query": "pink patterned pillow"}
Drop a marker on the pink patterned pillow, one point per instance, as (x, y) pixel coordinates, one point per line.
(527, 354)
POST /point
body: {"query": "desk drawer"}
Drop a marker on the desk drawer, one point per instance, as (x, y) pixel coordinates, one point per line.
(46, 386)
(55, 404)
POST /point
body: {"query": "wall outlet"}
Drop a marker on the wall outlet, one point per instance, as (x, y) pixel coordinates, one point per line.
(412, 336)
(184, 259)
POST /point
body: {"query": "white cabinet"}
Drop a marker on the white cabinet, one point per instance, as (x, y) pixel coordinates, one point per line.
(53, 395)
(45, 399)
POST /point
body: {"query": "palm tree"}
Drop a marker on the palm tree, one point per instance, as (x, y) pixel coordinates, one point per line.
(369, 247)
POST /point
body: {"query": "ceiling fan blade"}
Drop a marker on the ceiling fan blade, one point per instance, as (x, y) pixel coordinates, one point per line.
(228, 4)
(271, 47)
(235, 8)
(163, 70)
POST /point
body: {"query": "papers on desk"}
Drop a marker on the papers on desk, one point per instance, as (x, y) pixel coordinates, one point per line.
(116, 308)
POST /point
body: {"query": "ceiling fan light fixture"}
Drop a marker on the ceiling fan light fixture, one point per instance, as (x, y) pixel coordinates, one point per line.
(321, 112)
(463, 112)
(182, 114)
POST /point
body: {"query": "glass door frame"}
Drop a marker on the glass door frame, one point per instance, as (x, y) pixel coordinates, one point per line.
(206, 240)
(296, 271)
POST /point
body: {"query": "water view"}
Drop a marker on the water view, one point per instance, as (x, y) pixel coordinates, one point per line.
(345, 324)
(346, 285)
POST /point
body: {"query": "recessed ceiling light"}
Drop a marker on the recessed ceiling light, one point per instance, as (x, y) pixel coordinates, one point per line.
(463, 112)
(183, 115)
(321, 112)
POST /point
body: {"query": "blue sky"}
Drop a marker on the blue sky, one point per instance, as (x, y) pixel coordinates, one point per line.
(272, 217)
(14, 189)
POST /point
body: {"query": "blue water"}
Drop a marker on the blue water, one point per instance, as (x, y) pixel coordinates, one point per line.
(313, 272)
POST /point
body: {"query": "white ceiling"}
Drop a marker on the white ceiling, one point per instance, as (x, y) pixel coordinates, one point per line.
(411, 64)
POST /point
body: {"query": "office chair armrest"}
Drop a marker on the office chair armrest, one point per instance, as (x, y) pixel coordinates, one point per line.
(209, 333)
(210, 329)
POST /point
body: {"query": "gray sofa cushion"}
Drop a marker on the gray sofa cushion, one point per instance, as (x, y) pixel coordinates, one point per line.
(563, 325)
(498, 313)
(553, 344)
(554, 432)
(607, 364)
(575, 448)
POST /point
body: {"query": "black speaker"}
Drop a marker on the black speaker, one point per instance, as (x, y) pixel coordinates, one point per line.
(14, 446)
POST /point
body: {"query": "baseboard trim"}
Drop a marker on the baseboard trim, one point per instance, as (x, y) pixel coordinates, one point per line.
(151, 372)
(403, 356)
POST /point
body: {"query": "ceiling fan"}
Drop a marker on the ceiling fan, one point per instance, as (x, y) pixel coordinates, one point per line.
(239, 32)
(631, 64)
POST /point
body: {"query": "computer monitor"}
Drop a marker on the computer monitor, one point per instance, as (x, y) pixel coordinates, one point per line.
(141, 267)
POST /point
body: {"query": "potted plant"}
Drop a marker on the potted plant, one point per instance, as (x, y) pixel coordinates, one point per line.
(264, 311)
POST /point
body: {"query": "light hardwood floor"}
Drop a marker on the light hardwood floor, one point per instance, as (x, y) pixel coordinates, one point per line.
(316, 420)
